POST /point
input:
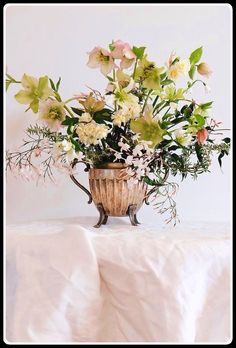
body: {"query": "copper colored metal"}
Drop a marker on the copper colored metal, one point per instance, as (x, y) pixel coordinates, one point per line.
(112, 195)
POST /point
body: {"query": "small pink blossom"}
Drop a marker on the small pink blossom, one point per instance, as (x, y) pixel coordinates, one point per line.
(202, 135)
(214, 123)
(101, 58)
(123, 51)
(38, 151)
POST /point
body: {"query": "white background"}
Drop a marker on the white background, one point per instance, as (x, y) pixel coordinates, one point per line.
(53, 40)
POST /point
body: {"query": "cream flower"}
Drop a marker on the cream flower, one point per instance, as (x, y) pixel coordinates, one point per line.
(182, 137)
(67, 148)
(178, 69)
(85, 117)
(119, 117)
(91, 133)
(53, 113)
(130, 110)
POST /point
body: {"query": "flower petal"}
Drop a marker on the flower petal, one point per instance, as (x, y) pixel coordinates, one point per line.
(24, 97)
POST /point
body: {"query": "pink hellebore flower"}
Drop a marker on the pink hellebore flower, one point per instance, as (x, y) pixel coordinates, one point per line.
(202, 135)
(101, 58)
(123, 51)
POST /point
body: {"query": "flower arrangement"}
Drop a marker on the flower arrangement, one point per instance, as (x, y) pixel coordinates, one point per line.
(144, 120)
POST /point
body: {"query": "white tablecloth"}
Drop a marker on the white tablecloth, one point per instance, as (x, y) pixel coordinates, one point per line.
(69, 282)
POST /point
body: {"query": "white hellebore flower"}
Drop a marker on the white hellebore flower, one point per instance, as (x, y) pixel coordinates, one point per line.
(182, 137)
(65, 147)
(178, 69)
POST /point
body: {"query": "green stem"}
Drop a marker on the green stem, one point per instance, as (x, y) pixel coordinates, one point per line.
(68, 100)
(164, 106)
(188, 100)
(68, 110)
(135, 66)
(155, 101)
(146, 99)
(194, 83)
(158, 105)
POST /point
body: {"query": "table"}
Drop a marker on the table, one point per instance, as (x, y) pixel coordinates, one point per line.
(69, 282)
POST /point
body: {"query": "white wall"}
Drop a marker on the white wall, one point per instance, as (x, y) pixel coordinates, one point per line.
(53, 40)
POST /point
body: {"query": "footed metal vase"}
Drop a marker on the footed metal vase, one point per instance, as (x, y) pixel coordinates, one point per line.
(111, 193)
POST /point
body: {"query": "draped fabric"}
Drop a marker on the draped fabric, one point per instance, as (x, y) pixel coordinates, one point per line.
(69, 282)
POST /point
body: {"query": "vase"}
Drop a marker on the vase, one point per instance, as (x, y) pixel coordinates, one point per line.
(112, 193)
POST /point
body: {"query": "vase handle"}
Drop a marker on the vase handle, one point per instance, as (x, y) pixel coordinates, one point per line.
(76, 181)
(154, 188)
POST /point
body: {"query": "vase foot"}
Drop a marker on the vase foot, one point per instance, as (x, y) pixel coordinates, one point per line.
(132, 214)
(102, 218)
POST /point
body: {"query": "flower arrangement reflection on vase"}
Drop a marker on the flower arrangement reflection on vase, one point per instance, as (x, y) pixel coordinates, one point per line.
(143, 128)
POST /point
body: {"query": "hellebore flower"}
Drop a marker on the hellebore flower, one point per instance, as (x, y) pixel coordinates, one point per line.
(122, 50)
(53, 113)
(34, 90)
(101, 58)
(148, 128)
(90, 103)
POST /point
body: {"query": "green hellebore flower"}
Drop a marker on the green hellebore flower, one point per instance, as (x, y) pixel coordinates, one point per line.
(148, 128)
(152, 80)
(34, 90)
(171, 94)
(149, 73)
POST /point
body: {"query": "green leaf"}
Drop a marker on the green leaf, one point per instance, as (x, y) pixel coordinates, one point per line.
(175, 60)
(52, 84)
(138, 51)
(226, 140)
(221, 155)
(58, 84)
(102, 116)
(149, 181)
(111, 46)
(173, 148)
(167, 82)
(110, 78)
(8, 82)
(57, 96)
(163, 76)
(10, 77)
(77, 111)
(198, 149)
(70, 121)
(70, 129)
(76, 144)
(206, 106)
(195, 56)
(200, 120)
(192, 72)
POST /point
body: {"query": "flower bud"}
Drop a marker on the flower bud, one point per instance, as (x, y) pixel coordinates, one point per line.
(204, 69)
(202, 136)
